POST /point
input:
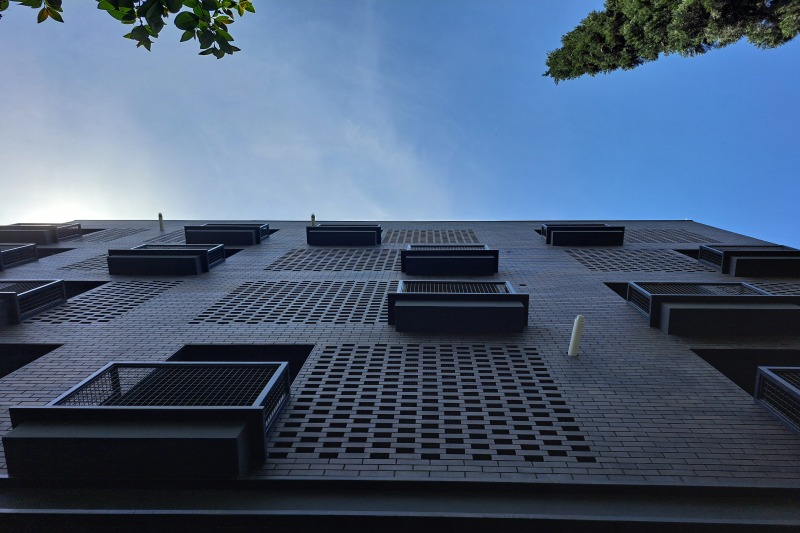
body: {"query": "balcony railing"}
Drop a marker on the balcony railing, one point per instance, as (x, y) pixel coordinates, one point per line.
(234, 234)
(715, 309)
(152, 420)
(462, 306)
(449, 260)
(16, 254)
(22, 299)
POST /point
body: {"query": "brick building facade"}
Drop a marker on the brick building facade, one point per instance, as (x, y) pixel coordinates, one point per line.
(390, 421)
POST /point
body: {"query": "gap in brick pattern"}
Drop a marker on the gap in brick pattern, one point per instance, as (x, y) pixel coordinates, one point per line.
(338, 260)
(636, 261)
(305, 302)
(94, 263)
(638, 236)
(105, 303)
(434, 402)
(430, 236)
(779, 288)
(112, 234)
(173, 236)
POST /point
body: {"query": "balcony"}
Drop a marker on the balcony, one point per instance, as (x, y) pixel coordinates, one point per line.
(16, 254)
(715, 309)
(344, 235)
(229, 234)
(460, 307)
(152, 420)
(778, 390)
(752, 261)
(165, 259)
(39, 233)
(21, 299)
(449, 260)
(558, 234)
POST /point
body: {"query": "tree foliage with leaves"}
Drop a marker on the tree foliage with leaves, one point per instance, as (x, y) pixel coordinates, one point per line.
(629, 33)
(206, 21)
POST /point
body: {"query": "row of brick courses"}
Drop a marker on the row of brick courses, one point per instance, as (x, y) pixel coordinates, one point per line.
(646, 407)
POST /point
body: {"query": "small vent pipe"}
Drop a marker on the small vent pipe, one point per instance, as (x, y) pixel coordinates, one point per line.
(161, 222)
(577, 332)
(313, 220)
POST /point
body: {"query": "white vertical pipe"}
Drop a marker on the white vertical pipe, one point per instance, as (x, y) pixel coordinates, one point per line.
(577, 332)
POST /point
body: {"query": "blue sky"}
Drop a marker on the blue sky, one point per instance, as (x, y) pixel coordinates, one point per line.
(411, 109)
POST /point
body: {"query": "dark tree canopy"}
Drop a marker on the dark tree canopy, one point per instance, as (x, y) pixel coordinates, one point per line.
(204, 20)
(631, 32)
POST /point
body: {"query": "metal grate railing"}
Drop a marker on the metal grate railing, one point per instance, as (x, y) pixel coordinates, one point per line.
(216, 252)
(14, 254)
(779, 390)
(446, 247)
(707, 289)
(173, 385)
(455, 287)
(641, 294)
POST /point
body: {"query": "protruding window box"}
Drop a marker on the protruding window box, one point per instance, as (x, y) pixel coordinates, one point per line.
(462, 307)
(449, 260)
(583, 234)
(715, 309)
(344, 235)
(778, 390)
(39, 233)
(16, 254)
(152, 420)
(165, 259)
(21, 299)
(229, 234)
(753, 261)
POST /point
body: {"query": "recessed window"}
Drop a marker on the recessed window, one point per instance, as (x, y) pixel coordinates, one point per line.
(294, 354)
(15, 356)
(740, 365)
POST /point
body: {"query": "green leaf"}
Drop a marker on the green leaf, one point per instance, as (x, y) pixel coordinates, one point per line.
(139, 33)
(105, 5)
(3, 5)
(209, 4)
(206, 38)
(188, 34)
(173, 6)
(219, 54)
(55, 15)
(186, 21)
(207, 52)
(42, 16)
(55, 4)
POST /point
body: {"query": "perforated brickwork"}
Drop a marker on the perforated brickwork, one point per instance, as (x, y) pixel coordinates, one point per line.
(94, 263)
(337, 260)
(430, 402)
(171, 237)
(634, 236)
(430, 236)
(105, 303)
(780, 288)
(112, 234)
(636, 261)
(311, 302)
